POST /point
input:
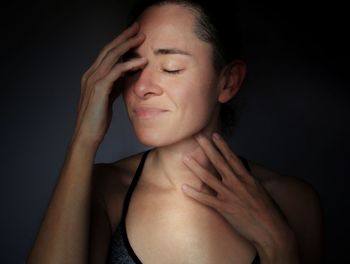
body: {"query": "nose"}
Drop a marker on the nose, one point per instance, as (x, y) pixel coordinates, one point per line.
(145, 84)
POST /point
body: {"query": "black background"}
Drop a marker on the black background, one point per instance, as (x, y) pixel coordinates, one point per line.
(294, 117)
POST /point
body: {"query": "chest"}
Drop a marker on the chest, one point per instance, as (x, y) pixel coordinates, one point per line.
(173, 228)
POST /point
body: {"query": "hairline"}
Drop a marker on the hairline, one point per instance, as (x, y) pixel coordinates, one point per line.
(199, 30)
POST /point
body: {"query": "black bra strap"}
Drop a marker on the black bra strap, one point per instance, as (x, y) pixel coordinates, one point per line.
(133, 183)
(126, 206)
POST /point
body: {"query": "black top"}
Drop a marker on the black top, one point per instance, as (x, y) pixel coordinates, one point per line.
(120, 251)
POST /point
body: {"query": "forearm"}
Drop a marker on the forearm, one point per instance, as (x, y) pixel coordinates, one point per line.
(64, 231)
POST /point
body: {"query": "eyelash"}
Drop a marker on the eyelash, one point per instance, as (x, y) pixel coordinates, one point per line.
(170, 72)
(173, 72)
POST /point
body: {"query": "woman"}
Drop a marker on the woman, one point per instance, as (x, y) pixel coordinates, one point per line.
(158, 206)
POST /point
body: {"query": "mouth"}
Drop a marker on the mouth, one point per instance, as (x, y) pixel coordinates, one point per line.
(148, 112)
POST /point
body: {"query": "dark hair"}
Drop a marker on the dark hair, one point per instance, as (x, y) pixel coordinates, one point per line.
(216, 23)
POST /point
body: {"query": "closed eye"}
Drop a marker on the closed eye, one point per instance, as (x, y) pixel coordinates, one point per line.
(129, 73)
(173, 72)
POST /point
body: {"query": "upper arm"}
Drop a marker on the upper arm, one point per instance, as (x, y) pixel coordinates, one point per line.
(100, 227)
(309, 227)
(302, 207)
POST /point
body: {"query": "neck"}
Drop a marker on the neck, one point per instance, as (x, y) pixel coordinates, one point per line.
(170, 172)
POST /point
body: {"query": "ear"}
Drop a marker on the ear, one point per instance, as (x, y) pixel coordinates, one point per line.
(231, 79)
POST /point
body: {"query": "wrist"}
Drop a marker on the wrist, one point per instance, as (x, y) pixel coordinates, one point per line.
(83, 147)
(84, 142)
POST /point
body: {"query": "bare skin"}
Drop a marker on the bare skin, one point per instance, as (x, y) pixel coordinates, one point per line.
(86, 205)
(64, 233)
(297, 199)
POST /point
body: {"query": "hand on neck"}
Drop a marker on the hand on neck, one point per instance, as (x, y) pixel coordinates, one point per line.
(168, 169)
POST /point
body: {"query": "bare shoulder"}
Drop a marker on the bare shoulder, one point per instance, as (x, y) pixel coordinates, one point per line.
(111, 181)
(282, 185)
(301, 205)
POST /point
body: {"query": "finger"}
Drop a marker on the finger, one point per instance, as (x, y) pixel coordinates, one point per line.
(233, 160)
(121, 68)
(113, 55)
(216, 159)
(205, 175)
(203, 198)
(126, 34)
(106, 84)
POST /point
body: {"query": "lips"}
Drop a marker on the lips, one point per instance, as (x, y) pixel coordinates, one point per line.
(148, 112)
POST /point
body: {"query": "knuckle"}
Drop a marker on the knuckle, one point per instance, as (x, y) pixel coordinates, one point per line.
(83, 80)
(114, 52)
(103, 69)
(85, 75)
(99, 86)
(90, 82)
(129, 43)
(133, 40)
(109, 52)
(118, 50)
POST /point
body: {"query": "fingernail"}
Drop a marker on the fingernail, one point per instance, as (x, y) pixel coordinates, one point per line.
(216, 136)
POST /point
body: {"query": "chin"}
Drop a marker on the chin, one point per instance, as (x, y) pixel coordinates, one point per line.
(161, 137)
(151, 137)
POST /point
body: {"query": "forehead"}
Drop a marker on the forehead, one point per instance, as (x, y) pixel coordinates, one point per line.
(171, 26)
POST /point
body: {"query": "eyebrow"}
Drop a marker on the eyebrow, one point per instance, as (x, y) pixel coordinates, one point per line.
(171, 51)
(167, 51)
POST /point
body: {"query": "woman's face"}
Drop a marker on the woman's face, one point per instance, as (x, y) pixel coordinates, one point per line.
(185, 85)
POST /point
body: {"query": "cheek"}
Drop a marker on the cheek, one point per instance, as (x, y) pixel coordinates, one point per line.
(198, 91)
(196, 100)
